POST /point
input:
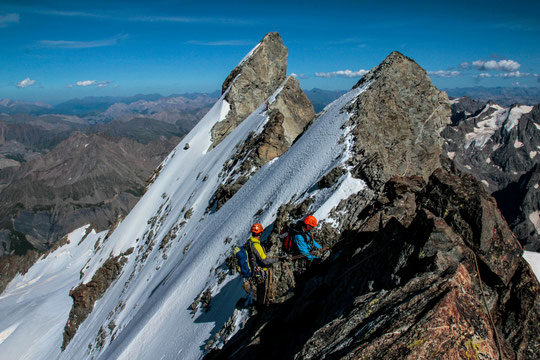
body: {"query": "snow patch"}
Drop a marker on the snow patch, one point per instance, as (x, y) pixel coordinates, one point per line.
(536, 186)
(248, 55)
(537, 126)
(485, 183)
(348, 187)
(532, 154)
(451, 155)
(484, 129)
(535, 219)
(468, 167)
(533, 258)
(488, 160)
(518, 144)
(515, 115)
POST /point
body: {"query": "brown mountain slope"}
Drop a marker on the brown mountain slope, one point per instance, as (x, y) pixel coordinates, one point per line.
(86, 178)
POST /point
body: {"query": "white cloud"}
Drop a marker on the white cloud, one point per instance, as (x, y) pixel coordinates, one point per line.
(299, 76)
(221, 43)
(145, 18)
(25, 83)
(91, 83)
(85, 83)
(464, 66)
(501, 65)
(68, 44)
(342, 73)
(444, 73)
(7, 19)
(516, 74)
(484, 75)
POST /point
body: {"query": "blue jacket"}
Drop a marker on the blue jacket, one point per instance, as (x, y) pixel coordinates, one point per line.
(305, 247)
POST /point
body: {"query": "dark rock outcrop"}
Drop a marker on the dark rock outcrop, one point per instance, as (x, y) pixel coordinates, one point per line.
(464, 107)
(85, 295)
(11, 265)
(428, 271)
(519, 203)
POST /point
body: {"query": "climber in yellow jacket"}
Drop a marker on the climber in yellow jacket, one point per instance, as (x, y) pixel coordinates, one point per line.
(259, 263)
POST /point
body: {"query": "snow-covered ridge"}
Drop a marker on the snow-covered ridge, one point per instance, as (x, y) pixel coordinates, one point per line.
(178, 248)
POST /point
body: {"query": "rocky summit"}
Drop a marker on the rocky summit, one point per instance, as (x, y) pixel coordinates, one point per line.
(397, 122)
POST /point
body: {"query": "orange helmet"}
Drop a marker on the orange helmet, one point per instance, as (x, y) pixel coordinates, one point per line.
(257, 228)
(310, 220)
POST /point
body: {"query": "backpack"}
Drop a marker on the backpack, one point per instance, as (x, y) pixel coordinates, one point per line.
(242, 261)
(288, 233)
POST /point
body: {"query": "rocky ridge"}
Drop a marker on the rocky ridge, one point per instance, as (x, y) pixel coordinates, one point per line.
(429, 270)
(424, 266)
(463, 108)
(289, 110)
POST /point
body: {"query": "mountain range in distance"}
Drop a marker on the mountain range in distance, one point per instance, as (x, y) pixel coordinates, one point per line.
(319, 97)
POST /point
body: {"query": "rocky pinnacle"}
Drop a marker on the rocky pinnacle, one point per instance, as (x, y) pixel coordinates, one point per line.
(251, 82)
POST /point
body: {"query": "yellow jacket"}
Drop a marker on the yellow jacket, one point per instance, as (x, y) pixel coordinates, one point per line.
(259, 255)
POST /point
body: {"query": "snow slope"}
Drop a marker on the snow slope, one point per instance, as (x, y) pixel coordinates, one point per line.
(148, 309)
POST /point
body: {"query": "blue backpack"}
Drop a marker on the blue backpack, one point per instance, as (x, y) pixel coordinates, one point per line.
(242, 261)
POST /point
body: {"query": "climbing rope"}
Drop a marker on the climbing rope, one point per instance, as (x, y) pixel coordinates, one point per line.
(492, 323)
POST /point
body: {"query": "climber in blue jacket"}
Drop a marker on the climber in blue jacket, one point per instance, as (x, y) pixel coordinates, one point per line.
(304, 241)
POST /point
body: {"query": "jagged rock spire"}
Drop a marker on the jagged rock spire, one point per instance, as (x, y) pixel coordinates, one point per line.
(257, 77)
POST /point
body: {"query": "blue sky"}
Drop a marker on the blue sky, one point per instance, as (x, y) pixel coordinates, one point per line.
(57, 50)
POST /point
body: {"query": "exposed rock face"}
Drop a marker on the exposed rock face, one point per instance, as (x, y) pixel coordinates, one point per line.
(251, 82)
(296, 109)
(11, 265)
(428, 271)
(85, 295)
(290, 112)
(397, 122)
(519, 203)
(500, 147)
(464, 107)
